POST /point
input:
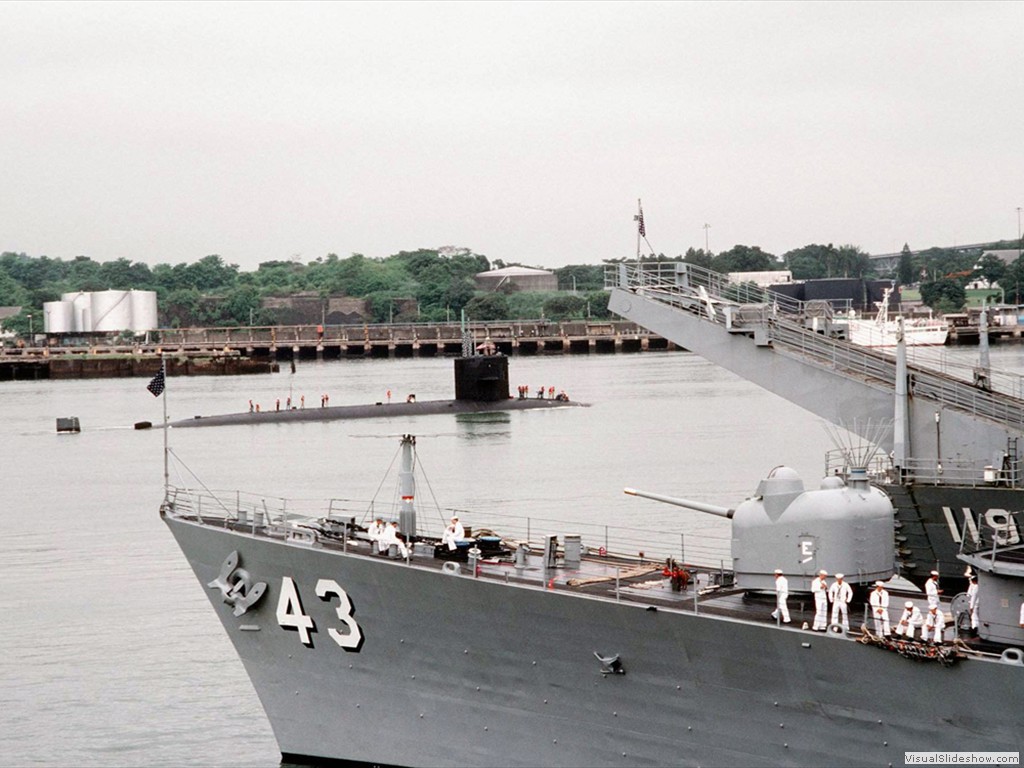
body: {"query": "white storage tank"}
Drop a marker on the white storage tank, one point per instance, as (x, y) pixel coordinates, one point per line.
(111, 311)
(144, 316)
(58, 316)
(81, 310)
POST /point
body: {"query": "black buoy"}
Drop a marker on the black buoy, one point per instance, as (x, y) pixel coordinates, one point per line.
(68, 424)
(143, 424)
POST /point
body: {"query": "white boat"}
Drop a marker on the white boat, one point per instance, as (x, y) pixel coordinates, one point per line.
(881, 330)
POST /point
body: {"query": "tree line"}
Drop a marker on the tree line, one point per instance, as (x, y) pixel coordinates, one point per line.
(212, 292)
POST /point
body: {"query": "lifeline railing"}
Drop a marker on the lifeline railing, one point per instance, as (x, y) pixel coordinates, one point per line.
(280, 517)
(997, 536)
(930, 471)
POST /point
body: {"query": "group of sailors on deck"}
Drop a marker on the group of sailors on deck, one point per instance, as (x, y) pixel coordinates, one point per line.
(931, 624)
(386, 536)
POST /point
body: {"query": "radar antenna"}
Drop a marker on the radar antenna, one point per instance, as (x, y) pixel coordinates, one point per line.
(856, 444)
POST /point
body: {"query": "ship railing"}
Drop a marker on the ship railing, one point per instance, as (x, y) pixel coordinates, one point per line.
(922, 382)
(677, 284)
(936, 359)
(281, 517)
(881, 469)
(705, 549)
(680, 283)
(997, 534)
(837, 462)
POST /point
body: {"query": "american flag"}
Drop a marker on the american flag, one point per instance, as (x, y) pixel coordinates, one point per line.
(156, 386)
(639, 219)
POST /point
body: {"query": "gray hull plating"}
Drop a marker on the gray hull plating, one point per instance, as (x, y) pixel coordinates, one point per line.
(454, 670)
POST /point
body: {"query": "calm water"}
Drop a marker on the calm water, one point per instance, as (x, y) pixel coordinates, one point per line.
(110, 653)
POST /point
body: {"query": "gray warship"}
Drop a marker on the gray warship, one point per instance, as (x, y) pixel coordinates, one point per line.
(505, 648)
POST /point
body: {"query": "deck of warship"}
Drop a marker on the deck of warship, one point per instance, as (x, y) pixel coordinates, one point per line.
(597, 573)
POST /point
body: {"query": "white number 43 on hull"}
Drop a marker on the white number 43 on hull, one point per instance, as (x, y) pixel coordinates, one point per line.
(291, 616)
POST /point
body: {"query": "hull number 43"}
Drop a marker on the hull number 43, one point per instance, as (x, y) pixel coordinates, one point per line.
(291, 616)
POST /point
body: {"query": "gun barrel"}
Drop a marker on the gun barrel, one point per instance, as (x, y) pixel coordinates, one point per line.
(710, 509)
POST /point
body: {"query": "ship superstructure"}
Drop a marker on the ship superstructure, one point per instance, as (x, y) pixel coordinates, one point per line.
(951, 456)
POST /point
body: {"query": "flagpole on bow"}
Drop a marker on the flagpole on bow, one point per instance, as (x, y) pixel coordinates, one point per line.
(158, 388)
(163, 396)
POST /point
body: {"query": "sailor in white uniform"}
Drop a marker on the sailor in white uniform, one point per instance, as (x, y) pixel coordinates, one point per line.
(390, 538)
(909, 621)
(375, 531)
(932, 591)
(879, 600)
(840, 593)
(781, 594)
(972, 600)
(819, 588)
(453, 533)
(934, 625)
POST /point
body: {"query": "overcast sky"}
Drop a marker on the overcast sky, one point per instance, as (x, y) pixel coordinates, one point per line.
(163, 132)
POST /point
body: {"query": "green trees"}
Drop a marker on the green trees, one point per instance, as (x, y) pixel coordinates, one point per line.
(12, 293)
(490, 306)
(436, 284)
(808, 263)
(699, 256)
(944, 295)
(743, 258)
(905, 272)
(813, 262)
(991, 268)
(580, 277)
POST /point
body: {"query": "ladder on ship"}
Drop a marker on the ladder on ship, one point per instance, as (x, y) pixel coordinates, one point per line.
(799, 351)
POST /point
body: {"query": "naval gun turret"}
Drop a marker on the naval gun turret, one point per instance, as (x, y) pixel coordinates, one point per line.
(845, 526)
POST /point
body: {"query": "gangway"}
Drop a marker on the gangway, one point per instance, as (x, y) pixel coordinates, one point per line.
(798, 350)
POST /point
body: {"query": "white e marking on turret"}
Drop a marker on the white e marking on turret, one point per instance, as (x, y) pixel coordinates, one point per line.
(806, 550)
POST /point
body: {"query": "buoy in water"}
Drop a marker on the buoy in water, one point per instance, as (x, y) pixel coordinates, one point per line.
(68, 424)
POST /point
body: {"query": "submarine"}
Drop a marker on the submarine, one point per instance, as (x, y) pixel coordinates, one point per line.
(481, 386)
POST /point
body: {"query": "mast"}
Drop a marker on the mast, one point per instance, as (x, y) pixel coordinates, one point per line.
(467, 339)
(901, 419)
(407, 488)
(982, 376)
(641, 232)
